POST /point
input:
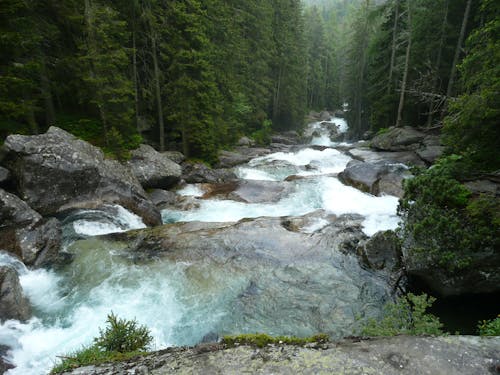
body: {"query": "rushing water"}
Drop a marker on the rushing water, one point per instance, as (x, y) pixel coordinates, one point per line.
(183, 301)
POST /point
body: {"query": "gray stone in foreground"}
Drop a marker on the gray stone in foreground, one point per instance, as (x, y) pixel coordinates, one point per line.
(465, 355)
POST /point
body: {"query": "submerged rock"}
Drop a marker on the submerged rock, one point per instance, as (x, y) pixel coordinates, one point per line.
(266, 274)
(23, 232)
(154, 169)
(248, 191)
(56, 171)
(13, 304)
(466, 355)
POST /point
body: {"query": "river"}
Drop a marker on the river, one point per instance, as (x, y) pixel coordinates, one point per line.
(183, 302)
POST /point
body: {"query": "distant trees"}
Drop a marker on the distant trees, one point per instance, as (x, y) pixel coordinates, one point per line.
(186, 74)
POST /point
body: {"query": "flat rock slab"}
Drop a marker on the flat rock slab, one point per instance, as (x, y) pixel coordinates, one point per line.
(465, 355)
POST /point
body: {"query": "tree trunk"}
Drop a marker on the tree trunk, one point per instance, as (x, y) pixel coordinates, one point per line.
(458, 49)
(361, 76)
(432, 106)
(158, 93)
(394, 47)
(277, 94)
(405, 74)
(50, 116)
(136, 80)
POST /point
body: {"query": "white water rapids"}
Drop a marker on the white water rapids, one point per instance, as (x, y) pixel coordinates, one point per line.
(71, 304)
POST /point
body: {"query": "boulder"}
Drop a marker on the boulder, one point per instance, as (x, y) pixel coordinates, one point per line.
(229, 159)
(162, 198)
(483, 186)
(382, 251)
(285, 139)
(325, 116)
(175, 156)
(245, 141)
(404, 157)
(13, 304)
(154, 169)
(375, 178)
(481, 275)
(4, 363)
(248, 191)
(398, 139)
(23, 232)
(5, 177)
(398, 355)
(430, 153)
(56, 171)
(194, 173)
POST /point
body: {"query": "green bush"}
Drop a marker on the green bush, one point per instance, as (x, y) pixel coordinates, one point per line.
(489, 327)
(121, 340)
(405, 316)
(443, 222)
(123, 336)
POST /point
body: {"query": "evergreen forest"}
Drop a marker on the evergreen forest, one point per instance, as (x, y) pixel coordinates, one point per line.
(195, 75)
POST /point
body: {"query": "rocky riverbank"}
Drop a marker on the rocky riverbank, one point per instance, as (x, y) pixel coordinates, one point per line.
(465, 355)
(297, 264)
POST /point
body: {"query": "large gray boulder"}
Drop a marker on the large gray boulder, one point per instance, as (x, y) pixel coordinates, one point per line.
(371, 156)
(13, 304)
(23, 232)
(229, 159)
(248, 191)
(376, 178)
(481, 275)
(195, 173)
(56, 171)
(154, 169)
(5, 177)
(398, 139)
(399, 355)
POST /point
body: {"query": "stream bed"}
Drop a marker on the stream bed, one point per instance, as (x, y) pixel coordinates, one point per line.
(231, 266)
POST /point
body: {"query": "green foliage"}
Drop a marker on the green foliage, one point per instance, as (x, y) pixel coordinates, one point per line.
(91, 355)
(123, 336)
(406, 316)
(489, 327)
(121, 340)
(261, 340)
(471, 128)
(443, 222)
(263, 136)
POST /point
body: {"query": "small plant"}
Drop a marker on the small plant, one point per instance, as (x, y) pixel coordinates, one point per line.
(406, 316)
(489, 327)
(123, 336)
(261, 340)
(121, 340)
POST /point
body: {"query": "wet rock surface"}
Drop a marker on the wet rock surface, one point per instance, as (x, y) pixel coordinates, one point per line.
(13, 304)
(194, 173)
(268, 274)
(154, 169)
(466, 355)
(398, 139)
(23, 232)
(376, 178)
(56, 171)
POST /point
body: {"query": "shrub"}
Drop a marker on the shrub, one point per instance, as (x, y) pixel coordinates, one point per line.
(489, 327)
(443, 222)
(405, 316)
(121, 340)
(123, 336)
